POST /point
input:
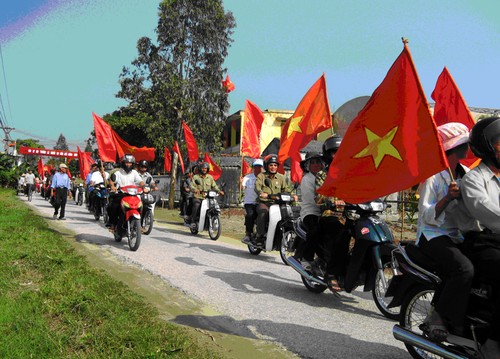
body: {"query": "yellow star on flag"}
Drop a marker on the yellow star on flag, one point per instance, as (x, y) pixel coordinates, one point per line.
(294, 126)
(378, 147)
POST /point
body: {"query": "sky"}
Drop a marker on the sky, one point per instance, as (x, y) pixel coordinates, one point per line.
(62, 58)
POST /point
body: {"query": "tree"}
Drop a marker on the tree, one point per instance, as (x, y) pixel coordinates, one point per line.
(61, 143)
(30, 160)
(180, 76)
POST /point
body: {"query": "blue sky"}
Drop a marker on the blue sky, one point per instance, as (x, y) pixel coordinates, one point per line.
(62, 58)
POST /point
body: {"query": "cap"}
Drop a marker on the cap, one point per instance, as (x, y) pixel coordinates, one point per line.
(258, 162)
(63, 165)
(453, 134)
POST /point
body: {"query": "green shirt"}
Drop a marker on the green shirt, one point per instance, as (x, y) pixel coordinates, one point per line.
(207, 183)
(277, 185)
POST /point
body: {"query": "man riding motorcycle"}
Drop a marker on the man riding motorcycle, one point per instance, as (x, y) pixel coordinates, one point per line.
(125, 176)
(202, 182)
(143, 167)
(268, 183)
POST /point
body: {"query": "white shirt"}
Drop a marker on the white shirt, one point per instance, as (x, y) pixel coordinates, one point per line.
(96, 177)
(308, 192)
(30, 178)
(127, 179)
(248, 184)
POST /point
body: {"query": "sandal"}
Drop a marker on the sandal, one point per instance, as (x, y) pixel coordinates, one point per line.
(333, 284)
(434, 327)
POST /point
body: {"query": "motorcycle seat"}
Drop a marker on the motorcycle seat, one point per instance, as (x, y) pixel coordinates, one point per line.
(420, 258)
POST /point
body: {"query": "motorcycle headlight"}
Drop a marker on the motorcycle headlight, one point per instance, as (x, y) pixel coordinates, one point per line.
(286, 198)
(147, 189)
(212, 193)
(132, 191)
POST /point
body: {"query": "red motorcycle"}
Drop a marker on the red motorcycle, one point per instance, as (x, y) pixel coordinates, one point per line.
(129, 216)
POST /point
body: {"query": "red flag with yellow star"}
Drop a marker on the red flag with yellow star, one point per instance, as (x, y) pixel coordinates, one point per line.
(215, 170)
(391, 145)
(311, 117)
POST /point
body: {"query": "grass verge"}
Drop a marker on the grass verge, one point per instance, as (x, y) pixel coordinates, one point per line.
(53, 304)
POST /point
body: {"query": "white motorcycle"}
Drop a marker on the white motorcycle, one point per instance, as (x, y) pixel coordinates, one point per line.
(209, 219)
(280, 234)
(148, 209)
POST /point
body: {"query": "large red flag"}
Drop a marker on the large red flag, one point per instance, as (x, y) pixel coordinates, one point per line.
(167, 163)
(391, 145)
(228, 84)
(192, 147)
(296, 172)
(140, 153)
(40, 168)
(245, 167)
(250, 131)
(105, 139)
(451, 107)
(215, 170)
(177, 150)
(311, 117)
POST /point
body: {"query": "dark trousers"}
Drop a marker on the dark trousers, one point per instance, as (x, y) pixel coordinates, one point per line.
(250, 217)
(335, 239)
(185, 205)
(486, 260)
(457, 272)
(114, 207)
(60, 201)
(195, 210)
(307, 249)
(262, 218)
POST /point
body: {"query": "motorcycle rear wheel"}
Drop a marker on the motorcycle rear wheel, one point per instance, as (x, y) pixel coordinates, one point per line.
(313, 286)
(214, 227)
(415, 308)
(104, 213)
(147, 222)
(378, 293)
(287, 245)
(134, 234)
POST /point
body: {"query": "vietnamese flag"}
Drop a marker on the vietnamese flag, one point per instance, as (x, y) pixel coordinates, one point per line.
(192, 147)
(391, 145)
(40, 168)
(245, 167)
(252, 124)
(167, 163)
(451, 107)
(105, 139)
(140, 153)
(84, 162)
(311, 117)
(228, 84)
(177, 150)
(215, 170)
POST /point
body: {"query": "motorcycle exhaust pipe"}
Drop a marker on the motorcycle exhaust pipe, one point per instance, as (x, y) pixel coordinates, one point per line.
(292, 262)
(408, 337)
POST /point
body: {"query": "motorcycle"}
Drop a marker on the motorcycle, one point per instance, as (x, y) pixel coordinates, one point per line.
(280, 234)
(416, 288)
(209, 219)
(147, 214)
(129, 217)
(369, 262)
(80, 193)
(100, 202)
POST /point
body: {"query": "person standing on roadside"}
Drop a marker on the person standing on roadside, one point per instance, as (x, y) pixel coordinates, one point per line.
(250, 199)
(60, 185)
(29, 181)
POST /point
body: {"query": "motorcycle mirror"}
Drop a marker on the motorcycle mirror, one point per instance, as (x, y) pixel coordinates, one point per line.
(197, 181)
(148, 181)
(157, 181)
(113, 177)
(267, 182)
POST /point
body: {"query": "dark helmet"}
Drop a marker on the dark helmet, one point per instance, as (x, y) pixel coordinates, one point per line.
(304, 164)
(483, 136)
(271, 158)
(143, 163)
(204, 165)
(128, 158)
(331, 144)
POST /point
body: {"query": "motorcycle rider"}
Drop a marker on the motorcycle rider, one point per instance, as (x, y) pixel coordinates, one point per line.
(334, 236)
(98, 176)
(248, 185)
(438, 236)
(143, 167)
(202, 183)
(309, 209)
(186, 194)
(125, 176)
(480, 224)
(268, 183)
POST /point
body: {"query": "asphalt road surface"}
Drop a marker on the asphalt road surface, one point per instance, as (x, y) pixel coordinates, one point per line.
(254, 297)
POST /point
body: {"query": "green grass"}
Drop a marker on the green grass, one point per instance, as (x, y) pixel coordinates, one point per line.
(53, 304)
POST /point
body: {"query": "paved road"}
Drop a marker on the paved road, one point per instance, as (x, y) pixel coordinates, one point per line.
(259, 296)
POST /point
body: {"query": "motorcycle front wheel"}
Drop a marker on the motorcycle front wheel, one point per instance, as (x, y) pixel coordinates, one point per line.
(104, 212)
(80, 199)
(147, 222)
(313, 286)
(379, 290)
(134, 234)
(287, 247)
(415, 308)
(214, 227)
